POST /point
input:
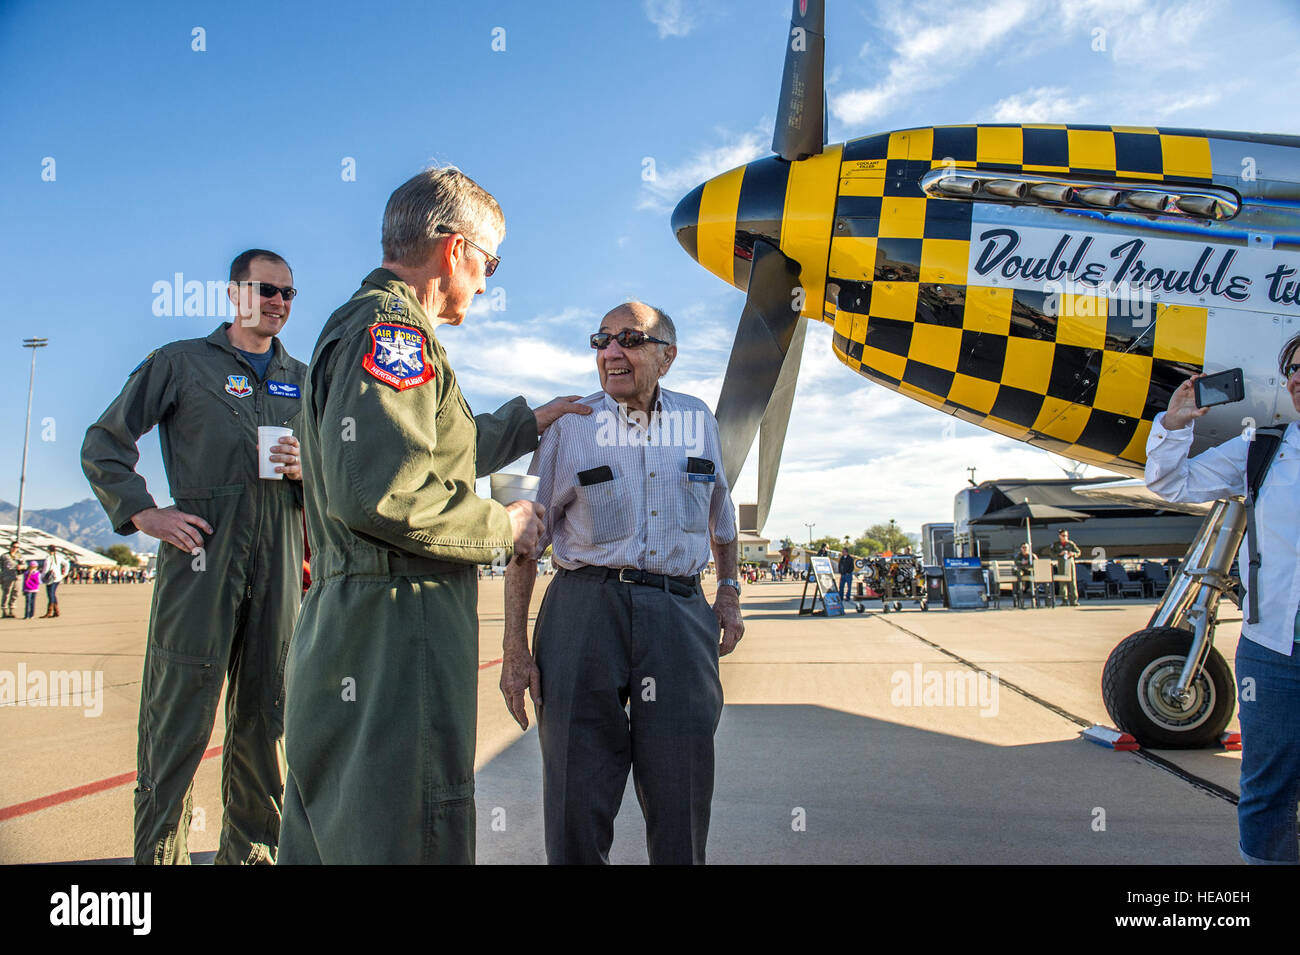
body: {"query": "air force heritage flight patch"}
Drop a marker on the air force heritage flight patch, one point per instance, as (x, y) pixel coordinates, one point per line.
(397, 356)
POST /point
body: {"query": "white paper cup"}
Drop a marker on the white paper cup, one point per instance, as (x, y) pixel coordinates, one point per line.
(507, 488)
(268, 436)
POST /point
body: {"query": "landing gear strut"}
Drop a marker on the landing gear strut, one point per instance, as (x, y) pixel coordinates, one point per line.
(1167, 685)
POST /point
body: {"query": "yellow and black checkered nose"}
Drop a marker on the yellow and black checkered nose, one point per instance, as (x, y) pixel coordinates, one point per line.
(718, 222)
(790, 205)
(1081, 373)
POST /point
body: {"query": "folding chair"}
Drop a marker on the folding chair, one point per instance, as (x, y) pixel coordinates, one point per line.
(1044, 586)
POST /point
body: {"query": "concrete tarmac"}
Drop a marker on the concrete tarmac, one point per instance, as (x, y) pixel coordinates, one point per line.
(935, 737)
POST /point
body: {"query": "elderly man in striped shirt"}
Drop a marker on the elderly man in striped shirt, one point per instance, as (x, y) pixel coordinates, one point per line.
(625, 672)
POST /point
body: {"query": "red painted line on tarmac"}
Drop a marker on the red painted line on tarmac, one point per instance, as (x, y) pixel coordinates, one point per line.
(68, 795)
(89, 789)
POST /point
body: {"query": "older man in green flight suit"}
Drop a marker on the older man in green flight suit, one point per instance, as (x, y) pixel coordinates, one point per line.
(383, 672)
(224, 603)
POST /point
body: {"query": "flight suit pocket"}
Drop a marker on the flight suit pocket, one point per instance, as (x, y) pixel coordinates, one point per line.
(695, 504)
(180, 696)
(208, 502)
(603, 512)
(279, 672)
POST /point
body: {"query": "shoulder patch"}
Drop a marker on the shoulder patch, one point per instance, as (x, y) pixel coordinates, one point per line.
(147, 358)
(396, 356)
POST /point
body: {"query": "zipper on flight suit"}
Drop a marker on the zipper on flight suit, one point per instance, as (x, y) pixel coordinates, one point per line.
(257, 524)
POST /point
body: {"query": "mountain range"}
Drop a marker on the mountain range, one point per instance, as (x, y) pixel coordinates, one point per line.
(82, 523)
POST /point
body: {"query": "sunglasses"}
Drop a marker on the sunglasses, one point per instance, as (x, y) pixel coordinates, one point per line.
(490, 261)
(627, 338)
(267, 290)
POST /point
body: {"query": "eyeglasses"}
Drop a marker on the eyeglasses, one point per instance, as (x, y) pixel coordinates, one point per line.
(490, 261)
(267, 290)
(627, 338)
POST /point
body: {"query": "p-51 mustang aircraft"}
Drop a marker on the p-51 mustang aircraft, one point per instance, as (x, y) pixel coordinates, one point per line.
(1051, 283)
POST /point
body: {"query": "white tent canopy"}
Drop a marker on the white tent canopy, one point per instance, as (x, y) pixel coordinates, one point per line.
(35, 545)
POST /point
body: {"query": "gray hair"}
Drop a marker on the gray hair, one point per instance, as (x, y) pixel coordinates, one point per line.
(661, 327)
(437, 196)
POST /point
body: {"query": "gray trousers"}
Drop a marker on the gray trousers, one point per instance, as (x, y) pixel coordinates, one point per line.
(629, 680)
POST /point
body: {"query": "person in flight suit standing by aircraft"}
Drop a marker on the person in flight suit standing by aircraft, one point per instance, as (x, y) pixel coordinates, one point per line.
(229, 563)
(382, 680)
(1023, 566)
(1065, 552)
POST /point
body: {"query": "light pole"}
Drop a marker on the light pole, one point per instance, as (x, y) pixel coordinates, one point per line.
(33, 344)
(810, 527)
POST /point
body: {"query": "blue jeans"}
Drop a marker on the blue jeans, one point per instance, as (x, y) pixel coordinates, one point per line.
(1270, 753)
(846, 585)
(29, 598)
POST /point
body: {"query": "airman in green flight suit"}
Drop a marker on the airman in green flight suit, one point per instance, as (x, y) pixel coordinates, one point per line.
(383, 670)
(229, 577)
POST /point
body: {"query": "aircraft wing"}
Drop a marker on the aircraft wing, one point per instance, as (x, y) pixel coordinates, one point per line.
(1134, 491)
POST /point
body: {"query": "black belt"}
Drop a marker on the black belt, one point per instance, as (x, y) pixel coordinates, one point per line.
(681, 586)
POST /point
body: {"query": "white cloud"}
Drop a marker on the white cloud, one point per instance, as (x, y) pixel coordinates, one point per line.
(486, 363)
(930, 47)
(1092, 13)
(1043, 104)
(570, 315)
(1174, 31)
(1180, 102)
(672, 17)
(670, 184)
(931, 43)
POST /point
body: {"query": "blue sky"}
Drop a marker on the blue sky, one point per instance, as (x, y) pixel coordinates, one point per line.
(167, 159)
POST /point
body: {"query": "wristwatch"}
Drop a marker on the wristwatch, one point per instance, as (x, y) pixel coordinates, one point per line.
(729, 582)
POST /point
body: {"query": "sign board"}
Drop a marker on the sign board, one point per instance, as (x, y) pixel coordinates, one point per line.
(823, 578)
(825, 572)
(965, 583)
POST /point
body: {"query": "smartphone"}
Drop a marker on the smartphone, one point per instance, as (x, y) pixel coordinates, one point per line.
(1221, 389)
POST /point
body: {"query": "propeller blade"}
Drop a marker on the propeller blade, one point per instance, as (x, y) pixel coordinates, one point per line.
(800, 125)
(763, 336)
(771, 435)
(826, 119)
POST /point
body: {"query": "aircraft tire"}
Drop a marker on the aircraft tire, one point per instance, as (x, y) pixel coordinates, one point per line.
(1150, 659)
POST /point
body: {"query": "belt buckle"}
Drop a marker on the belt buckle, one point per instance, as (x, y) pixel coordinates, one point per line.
(624, 580)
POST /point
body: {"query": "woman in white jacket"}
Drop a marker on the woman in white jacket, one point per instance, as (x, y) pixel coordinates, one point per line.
(1268, 653)
(56, 568)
